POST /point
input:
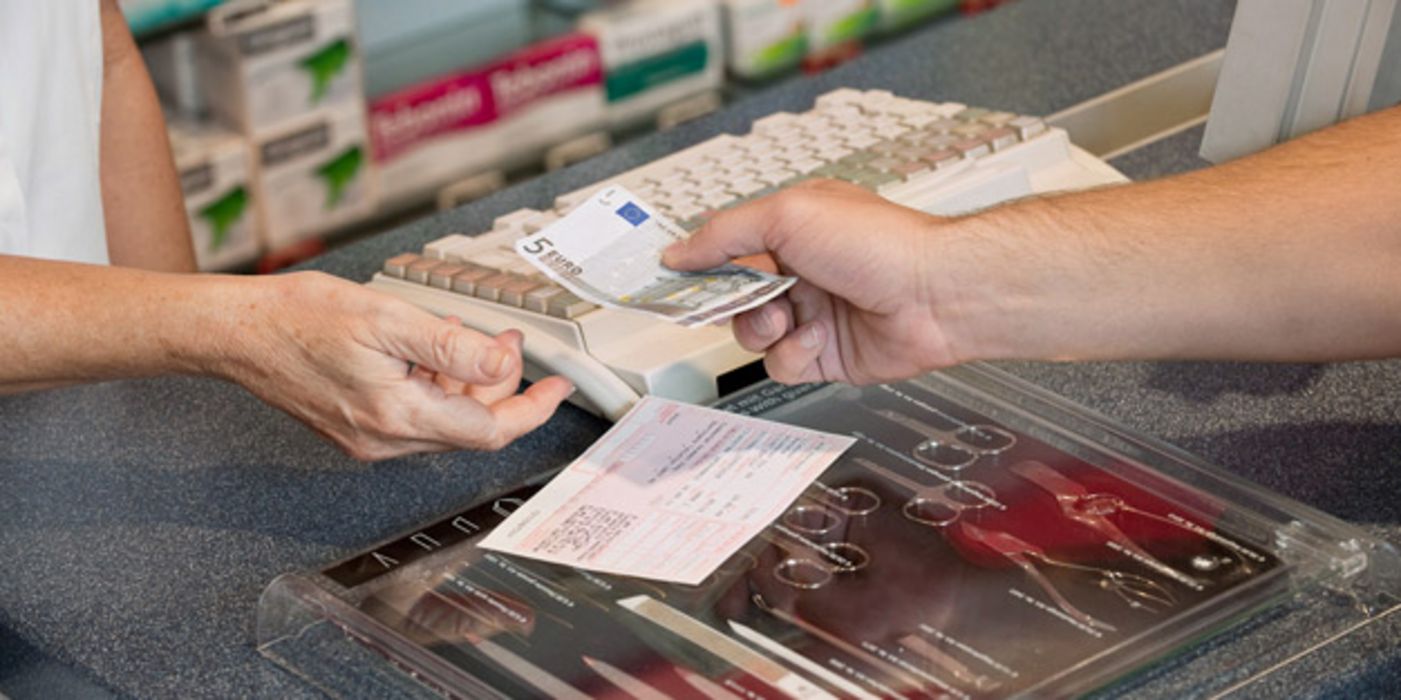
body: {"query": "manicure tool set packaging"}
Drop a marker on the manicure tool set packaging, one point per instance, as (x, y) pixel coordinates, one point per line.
(981, 539)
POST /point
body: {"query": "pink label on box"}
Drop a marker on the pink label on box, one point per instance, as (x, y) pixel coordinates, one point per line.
(471, 99)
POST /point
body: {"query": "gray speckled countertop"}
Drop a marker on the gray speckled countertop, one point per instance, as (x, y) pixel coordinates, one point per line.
(139, 521)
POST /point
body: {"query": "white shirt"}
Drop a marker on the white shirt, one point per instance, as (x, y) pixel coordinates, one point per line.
(50, 112)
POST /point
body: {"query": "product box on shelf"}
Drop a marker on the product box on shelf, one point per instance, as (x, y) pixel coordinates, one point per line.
(656, 52)
(402, 48)
(765, 37)
(835, 23)
(490, 117)
(264, 63)
(215, 177)
(896, 15)
(314, 175)
(152, 15)
(171, 62)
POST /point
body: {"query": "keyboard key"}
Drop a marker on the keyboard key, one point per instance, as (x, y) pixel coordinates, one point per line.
(745, 188)
(885, 164)
(441, 276)
(672, 184)
(398, 265)
(709, 188)
(971, 130)
(972, 114)
(883, 121)
(920, 119)
(568, 306)
(495, 258)
(778, 121)
(746, 172)
(489, 288)
(520, 266)
(889, 148)
(943, 126)
(538, 299)
(860, 158)
(893, 131)
(859, 140)
(841, 97)
(513, 293)
(702, 170)
(998, 118)
(535, 224)
(874, 180)
(910, 169)
(688, 210)
(565, 203)
(1027, 127)
(848, 173)
(778, 178)
(806, 166)
(941, 157)
(465, 282)
(418, 271)
(514, 220)
(941, 141)
(1001, 138)
(443, 246)
(973, 148)
(715, 199)
(771, 189)
(842, 117)
(832, 152)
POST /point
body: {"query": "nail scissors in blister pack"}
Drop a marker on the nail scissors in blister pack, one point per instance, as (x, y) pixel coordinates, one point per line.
(953, 448)
(831, 509)
(809, 565)
(936, 506)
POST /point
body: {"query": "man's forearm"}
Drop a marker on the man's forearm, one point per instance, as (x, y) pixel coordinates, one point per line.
(1292, 254)
(66, 323)
(145, 217)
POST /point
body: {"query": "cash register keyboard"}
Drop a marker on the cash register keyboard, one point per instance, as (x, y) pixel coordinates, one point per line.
(943, 158)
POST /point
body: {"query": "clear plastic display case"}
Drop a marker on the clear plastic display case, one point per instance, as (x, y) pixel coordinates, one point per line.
(983, 538)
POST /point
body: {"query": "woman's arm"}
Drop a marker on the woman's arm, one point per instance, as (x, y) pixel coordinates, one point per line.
(144, 210)
(375, 375)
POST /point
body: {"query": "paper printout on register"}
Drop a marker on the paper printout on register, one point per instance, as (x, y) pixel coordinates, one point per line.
(669, 493)
(609, 251)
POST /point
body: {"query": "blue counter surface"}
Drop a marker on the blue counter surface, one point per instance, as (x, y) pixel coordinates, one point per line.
(139, 521)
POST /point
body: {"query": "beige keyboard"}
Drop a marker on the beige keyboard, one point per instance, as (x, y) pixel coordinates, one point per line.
(944, 158)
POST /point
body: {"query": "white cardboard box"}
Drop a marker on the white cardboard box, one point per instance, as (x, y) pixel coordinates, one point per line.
(496, 116)
(313, 175)
(264, 63)
(765, 37)
(655, 53)
(215, 176)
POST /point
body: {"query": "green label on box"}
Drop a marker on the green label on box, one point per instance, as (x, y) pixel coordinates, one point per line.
(902, 13)
(779, 56)
(854, 26)
(339, 173)
(222, 214)
(642, 75)
(325, 66)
